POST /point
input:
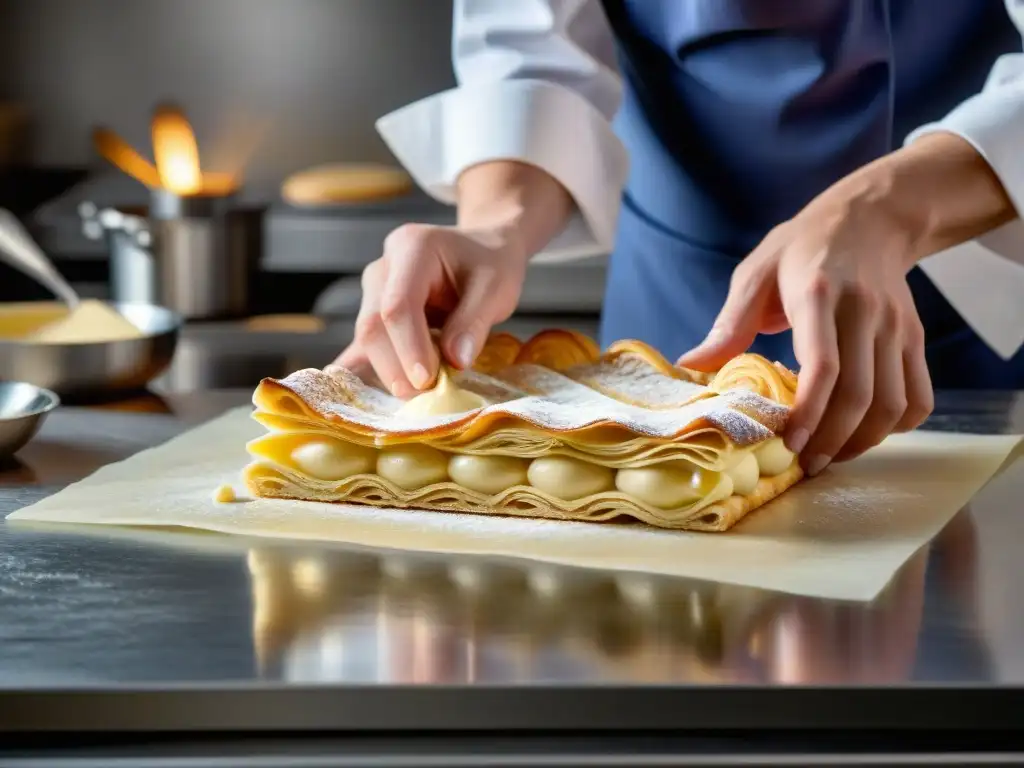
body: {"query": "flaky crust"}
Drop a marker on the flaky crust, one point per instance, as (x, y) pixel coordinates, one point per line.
(556, 393)
(558, 383)
(375, 491)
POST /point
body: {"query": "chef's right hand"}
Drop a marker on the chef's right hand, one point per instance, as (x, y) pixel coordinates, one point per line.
(464, 282)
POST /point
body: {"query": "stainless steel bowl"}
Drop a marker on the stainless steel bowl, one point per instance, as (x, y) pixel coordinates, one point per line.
(98, 369)
(23, 407)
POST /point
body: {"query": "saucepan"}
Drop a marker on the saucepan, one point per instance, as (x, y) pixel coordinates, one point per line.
(83, 369)
(98, 369)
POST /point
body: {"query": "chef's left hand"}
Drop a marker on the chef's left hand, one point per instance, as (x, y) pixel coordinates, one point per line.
(836, 274)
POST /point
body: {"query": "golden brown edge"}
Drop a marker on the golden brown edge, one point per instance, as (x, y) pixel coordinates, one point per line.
(728, 512)
(744, 370)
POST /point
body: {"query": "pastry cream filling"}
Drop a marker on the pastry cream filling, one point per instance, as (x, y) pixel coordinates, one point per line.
(488, 474)
(773, 457)
(569, 479)
(445, 398)
(411, 467)
(744, 474)
(331, 460)
(668, 485)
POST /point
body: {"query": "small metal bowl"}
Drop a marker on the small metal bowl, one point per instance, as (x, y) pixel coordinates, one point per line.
(99, 369)
(23, 407)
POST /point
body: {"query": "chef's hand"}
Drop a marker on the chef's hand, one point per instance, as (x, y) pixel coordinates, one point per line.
(836, 274)
(463, 280)
(468, 280)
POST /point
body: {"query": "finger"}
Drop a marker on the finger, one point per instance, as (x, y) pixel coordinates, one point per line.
(736, 326)
(854, 390)
(403, 309)
(381, 354)
(817, 351)
(920, 395)
(389, 370)
(353, 358)
(372, 337)
(889, 398)
(487, 299)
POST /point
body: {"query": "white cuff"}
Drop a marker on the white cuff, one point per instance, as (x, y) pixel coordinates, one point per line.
(984, 279)
(993, 123)
(530, 121)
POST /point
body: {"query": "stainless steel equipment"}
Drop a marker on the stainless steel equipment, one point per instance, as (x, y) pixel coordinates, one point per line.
(324, 637)
(19, 250)
(98, 368)
(23, 408)
(191, 254)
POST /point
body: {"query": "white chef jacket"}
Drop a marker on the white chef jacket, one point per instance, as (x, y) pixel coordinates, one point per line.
(538, 83)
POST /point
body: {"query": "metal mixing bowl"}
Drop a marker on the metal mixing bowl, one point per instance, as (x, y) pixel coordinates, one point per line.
(98, 369)
(23, 407)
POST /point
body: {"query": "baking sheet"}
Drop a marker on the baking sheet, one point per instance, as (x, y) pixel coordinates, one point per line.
(841, 535)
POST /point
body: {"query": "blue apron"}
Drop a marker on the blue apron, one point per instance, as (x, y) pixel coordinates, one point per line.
(737, 113)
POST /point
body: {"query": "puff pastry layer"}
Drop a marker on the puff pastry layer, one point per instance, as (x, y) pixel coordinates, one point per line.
(548, 428)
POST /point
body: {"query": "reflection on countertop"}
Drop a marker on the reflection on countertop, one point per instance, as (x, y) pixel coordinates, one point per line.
(100, 604)
(323, 616)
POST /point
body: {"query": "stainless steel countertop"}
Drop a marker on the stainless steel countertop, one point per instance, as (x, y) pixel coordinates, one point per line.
(96, 609)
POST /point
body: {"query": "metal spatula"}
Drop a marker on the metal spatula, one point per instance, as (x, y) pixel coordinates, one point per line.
(18, 249)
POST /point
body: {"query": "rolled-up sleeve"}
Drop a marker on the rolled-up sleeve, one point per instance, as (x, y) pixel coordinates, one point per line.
(984, 279)
(537, 83)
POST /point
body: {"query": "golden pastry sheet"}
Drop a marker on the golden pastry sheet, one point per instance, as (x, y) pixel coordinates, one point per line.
(840, 535)
(375, 491)
(554, 394)
(558, 384)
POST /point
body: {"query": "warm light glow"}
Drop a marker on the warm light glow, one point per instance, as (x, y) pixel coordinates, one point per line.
(235, 139)
(219, 184)
(177, 155)
(177, 168)
(124, 156)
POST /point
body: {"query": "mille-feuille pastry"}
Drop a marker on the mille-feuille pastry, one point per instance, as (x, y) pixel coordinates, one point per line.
(548, 428)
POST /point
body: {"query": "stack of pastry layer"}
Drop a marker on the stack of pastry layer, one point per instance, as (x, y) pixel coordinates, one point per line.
(548, 428)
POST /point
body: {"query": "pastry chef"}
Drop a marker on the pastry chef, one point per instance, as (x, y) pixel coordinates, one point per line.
(830, 183)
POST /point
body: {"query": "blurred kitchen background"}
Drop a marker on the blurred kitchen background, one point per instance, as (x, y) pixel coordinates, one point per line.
(279, 86)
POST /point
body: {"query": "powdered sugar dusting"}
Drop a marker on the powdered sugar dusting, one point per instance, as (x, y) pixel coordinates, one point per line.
(629, 393)
(634, 380)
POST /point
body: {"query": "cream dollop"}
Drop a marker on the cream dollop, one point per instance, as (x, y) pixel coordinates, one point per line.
(744, 474)
(773, 457)
(488, 474)
(331, 460)
(445, 398)
(569, 479)
(667, 486)
(412, 467)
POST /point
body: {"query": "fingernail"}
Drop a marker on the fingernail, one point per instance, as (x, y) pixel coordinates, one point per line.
(687, 355)
(816, 465)
(712, 336)
(418, 376)
(465, 350)
(796, 441)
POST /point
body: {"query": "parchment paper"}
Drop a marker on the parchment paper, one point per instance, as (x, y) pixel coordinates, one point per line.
(841, 535)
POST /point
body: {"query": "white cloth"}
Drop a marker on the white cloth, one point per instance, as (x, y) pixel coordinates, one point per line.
(538, 83)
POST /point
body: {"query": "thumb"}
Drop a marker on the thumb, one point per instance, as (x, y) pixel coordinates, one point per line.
(486, 299)
(734, 329)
